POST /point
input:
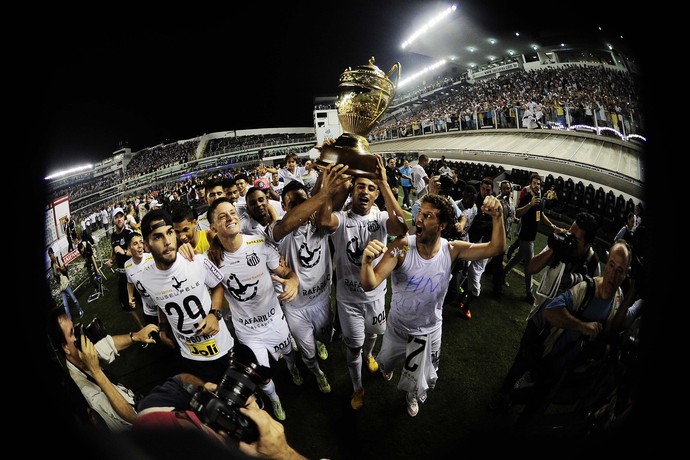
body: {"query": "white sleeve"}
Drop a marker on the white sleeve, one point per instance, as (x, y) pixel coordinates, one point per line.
(106, 349)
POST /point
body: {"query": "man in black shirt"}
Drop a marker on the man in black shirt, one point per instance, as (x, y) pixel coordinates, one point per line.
(120, 255)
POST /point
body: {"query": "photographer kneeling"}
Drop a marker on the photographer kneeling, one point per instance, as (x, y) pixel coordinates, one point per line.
(568, 258)
(83, 349)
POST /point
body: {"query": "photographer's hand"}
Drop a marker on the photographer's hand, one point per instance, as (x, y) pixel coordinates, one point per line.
(89, 355)
(144, 335)
(272, 442)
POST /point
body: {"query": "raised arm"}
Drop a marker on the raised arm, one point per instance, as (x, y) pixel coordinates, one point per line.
(374, 276)
(300, 213)
(324, 214)
(396, 219)
(476, 251)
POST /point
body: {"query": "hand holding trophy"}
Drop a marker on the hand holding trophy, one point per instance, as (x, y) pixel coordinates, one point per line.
(364, 95)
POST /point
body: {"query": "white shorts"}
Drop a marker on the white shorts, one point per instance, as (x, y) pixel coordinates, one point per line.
(358, 320)
(309, 324)
(275, 341)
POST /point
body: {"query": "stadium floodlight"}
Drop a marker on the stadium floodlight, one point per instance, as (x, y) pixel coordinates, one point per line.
(426, 27)
(418, 74)
(66, 172)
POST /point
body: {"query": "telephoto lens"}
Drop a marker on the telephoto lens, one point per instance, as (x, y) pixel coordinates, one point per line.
(221, 409)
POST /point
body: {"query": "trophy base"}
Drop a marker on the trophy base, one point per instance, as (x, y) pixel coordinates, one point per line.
(351, 150)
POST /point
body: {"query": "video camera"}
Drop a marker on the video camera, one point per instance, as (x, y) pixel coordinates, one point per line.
(220, 410)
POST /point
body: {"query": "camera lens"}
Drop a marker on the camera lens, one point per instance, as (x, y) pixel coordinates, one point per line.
(221, 410)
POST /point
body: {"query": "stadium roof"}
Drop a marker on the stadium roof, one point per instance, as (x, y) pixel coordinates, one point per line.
(469, 38)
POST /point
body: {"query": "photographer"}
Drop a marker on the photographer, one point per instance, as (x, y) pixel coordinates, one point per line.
(227, 412)
(113, 402)
(528, 210)
(568, 258)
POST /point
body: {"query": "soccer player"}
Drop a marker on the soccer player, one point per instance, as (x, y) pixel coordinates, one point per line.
(305, 248)
(248, 267)
(189, 296)
(362, 314)
(421, 267)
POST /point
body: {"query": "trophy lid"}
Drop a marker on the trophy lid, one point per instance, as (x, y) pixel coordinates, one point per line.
(369, 76)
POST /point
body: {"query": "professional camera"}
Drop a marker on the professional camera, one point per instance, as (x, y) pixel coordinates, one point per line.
(563, 245)
(95, 331)
(220, 410)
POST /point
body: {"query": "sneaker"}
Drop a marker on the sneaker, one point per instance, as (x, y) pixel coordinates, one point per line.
(412, 407)
(296, 376)
(278, 410)
(465, 312)
(321, 351)
(387, 376)
(321, 380)
(357, 401)
(372, 364)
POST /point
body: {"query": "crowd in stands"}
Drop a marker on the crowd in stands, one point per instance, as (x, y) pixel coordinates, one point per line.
(593, 96)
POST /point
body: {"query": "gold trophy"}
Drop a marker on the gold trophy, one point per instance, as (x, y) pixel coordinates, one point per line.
(363, 97)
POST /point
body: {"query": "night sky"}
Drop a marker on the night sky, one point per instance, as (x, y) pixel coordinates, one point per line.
(142, 80)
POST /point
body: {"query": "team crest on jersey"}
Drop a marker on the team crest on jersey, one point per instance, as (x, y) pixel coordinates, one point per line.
(354, 253)
(308, 258)
(253, 260)
(373, 226)
(177, 284)
(241, 292)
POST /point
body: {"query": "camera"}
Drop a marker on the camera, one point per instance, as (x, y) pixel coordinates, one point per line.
(220, 410)
(95, 331)
(563, 245)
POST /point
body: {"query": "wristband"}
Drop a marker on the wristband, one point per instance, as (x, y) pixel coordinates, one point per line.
(131, 337)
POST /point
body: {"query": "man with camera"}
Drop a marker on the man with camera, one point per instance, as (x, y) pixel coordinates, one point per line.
(83, 349)
(529, 212)
(184, 405)
(568, 258)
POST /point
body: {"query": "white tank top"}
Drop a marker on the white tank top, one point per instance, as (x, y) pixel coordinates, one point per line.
(419, 288)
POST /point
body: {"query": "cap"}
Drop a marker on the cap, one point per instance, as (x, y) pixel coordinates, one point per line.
(261, 183)
(153, 220)
(117, 211)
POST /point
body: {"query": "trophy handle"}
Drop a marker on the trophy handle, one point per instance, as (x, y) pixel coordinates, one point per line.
(395, 67)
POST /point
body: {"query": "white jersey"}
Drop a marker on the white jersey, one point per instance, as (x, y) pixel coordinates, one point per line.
(287, 176)
(249, 288)
(349, 239)
(133, 272)
(419, 288)
(182, 293)
(308, 254)
(249, 226)
(418, 174)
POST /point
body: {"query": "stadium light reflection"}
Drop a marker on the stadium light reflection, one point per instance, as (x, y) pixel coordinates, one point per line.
(426, 27)
(424, 71)
(68, 171)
